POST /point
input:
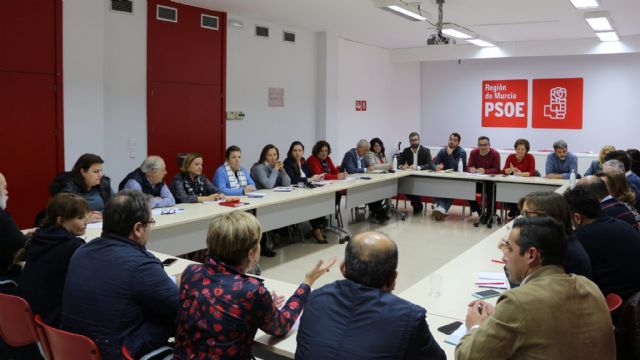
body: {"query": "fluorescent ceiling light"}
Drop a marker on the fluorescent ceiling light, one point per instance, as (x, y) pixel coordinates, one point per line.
(599, 21)
(585, 4)
(608, 36)
(458, 32)
(406, 12)
(481, 42)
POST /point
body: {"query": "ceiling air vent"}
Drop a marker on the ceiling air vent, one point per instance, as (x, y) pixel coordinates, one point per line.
(165, 13)
(125, 6)
(262, 31)
(288, 36)
(209, 22)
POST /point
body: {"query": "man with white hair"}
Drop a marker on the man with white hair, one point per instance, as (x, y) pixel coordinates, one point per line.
(11, 240)
(149, 178)
(353, 163)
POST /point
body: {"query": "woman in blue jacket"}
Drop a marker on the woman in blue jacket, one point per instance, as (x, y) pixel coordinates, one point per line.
(231, 178)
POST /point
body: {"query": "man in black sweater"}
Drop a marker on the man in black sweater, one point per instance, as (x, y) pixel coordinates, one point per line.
(613, 246)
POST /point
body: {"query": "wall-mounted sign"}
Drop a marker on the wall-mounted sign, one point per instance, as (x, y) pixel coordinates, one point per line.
(557, 103)
(276, 97)
(361, 105)
(504, 103)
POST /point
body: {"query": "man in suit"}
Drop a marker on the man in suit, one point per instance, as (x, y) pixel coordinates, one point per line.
(353, 163)
(613, 246)
(359, 317)
(552, 315)
(415, 157)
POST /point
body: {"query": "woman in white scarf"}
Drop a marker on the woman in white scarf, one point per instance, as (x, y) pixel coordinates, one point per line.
(231, 178)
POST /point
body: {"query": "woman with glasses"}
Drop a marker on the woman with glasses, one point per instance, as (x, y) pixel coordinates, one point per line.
(550, 204)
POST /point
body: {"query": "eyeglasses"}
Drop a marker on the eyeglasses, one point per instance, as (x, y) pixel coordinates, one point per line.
(168, 211)
(151, 222)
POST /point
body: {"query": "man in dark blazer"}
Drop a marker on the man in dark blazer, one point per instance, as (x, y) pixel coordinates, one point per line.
(610, 206)
(359, 317)
(415, 157)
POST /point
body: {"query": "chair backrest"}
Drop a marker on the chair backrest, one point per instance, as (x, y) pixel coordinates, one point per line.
(62, 344)
(613, 301)
(16, 321)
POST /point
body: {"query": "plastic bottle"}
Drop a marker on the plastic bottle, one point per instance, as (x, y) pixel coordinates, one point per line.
(460, 167)
(572, 179)
(395, 162)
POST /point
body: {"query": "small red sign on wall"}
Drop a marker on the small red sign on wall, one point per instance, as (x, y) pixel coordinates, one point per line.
(504, 103)
(361, 105)
(557, 103)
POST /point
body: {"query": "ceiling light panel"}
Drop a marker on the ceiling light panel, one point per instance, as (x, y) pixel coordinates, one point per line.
(599, 21)
(585, 4)
(608, 36)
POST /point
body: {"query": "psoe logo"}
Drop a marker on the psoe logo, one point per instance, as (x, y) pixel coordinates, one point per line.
(557, 107)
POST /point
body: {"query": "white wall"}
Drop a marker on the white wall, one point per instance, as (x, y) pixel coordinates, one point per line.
(392, 92)
(451, 98)
(256, 64)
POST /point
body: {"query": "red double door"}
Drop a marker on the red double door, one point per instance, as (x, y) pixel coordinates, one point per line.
(31, 144)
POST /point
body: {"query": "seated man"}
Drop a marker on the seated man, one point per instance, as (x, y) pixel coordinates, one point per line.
(612, 245)
(561, 162)
(359, 318)
(116, 292)
(448, 158)
(11, 240)
(552, 315)
(415, 157)
(148, 178)
(610, 206)
(353, 163)
(484, 160)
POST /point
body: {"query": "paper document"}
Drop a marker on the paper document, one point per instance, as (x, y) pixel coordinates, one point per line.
(283, 189)
(456, 336)
(321, 183)
(493, 276)
(95, 225)
(256, 194)
(375, 172)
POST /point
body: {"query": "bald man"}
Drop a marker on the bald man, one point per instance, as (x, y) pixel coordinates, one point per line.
(359, 317)
(610, 206)
(11, 240)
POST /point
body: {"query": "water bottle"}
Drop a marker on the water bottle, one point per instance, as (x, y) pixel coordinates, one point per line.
(572, 179)
(460, 167)
(394, 163)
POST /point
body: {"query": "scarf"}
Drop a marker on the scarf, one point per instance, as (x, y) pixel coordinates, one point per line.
(236, 180)
(194, 187)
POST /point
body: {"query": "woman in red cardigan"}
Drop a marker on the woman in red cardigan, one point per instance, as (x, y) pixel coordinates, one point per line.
(521, 163)
(320, 162)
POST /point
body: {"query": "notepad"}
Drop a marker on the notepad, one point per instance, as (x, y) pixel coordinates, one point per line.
(493, 276)
(283, 189)
(256, 195)
(456, 336)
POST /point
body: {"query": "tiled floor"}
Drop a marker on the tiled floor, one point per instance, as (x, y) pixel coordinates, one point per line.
(423, 244)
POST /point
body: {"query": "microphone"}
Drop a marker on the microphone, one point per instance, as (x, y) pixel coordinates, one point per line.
(399, 143)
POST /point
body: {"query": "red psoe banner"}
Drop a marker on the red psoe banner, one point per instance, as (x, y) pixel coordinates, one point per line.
(557, 103)
(504, 103)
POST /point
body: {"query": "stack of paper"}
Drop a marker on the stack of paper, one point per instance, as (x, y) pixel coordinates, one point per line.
(492, 280)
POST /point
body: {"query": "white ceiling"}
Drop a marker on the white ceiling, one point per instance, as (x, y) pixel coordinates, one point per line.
(499, 20)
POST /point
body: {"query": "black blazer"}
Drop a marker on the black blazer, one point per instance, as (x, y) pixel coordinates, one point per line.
(425, 162)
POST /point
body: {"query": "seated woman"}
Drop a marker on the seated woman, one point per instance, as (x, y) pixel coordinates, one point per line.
(220, 307)
(320, 162)
(269, 172)
(48, 254)
(519, 164)
(294, 166)
(548, 203)
(596, 165)
(190, 186)
(376, 156)
(231, 178)
(149, 178)
(86, 179)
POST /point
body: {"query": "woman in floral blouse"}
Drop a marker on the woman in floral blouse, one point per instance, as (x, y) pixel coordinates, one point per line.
(190, 185)
(221, 307)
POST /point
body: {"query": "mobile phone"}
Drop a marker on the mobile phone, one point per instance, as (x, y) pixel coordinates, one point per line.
(169, 261)
(365, 177)
(485, 294)
(450, 328)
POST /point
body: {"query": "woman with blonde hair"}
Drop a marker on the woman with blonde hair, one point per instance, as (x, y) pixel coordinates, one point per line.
(190, 185)
(596, 165)
(221, 307)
